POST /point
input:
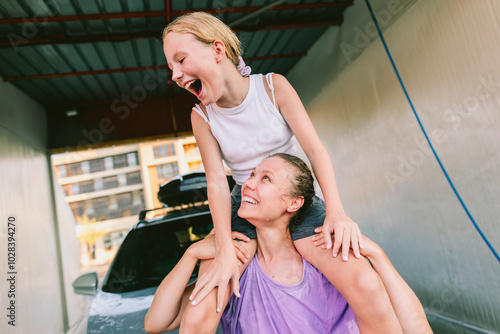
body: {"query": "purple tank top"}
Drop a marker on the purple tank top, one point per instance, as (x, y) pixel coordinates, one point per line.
(312, 306)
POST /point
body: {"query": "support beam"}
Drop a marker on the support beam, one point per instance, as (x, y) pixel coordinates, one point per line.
(18, 41)
(112, 16)
(133, 69)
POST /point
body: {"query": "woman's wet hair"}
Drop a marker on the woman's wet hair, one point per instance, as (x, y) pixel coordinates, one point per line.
(302, 184)
(207, 28)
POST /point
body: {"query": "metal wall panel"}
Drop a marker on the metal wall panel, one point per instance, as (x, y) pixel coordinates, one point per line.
(26, 194)
(447, 53)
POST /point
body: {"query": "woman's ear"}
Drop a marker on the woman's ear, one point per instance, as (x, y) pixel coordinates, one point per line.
(295, 204)
(219, 50)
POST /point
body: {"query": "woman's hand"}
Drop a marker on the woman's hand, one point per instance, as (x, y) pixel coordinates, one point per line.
(224, 267)
(345, 232)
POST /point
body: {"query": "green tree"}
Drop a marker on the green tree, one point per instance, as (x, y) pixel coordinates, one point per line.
(89, 233)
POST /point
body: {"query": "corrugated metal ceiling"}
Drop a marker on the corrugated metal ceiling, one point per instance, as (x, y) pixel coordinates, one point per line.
(87, 55)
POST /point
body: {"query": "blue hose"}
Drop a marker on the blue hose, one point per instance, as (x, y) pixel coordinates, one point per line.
(425, 133)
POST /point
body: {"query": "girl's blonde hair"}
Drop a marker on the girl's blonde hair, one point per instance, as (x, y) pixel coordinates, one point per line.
(207, 28)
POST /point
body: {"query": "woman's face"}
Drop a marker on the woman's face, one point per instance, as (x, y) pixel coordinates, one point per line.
(193, 65)
(264, 196)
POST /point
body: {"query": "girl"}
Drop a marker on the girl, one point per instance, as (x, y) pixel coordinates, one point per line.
(282, 292)
(241, 120)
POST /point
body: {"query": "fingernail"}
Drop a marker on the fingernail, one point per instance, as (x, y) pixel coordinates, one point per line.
(238, 295)
(334, 254)
(362, 246)
(315, 242)
(218, 309)
(190, 297)
(345, 258)
(194, 302)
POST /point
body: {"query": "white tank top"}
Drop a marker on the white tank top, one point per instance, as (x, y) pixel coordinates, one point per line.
(250, 132)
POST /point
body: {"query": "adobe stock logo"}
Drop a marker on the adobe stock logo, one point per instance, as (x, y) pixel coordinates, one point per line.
(363, 38)
(452, 118)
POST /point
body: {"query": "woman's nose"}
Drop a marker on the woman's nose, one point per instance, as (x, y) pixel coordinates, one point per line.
(249, 183)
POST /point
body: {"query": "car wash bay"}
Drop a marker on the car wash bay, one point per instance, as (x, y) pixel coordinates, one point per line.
(389, 180)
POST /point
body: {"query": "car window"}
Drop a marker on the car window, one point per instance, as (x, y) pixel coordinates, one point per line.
(149, 253)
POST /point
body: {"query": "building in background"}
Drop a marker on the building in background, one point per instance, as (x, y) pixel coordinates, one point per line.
(106, 188)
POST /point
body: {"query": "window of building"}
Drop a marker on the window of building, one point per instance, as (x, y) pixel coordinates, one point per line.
(100, 207)
(120, 161)
(164, 150)
(191, 149)
(133, 178)
(110, 182)
(75, 187)
(74, 169)
(61, 170)
(195, 166)
(77, 208)
(108, 244)
(89, 208)
(132, 159)
(137, 198)
(86, 186)
(167, 171)
(124, 200)
(112, 203)
(96, 165)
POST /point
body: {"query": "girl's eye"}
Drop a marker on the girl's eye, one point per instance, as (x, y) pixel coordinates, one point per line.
(252, 175)
(182, 60)
(266, 178)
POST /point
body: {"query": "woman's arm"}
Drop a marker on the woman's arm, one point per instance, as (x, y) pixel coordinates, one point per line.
(290, 106)
(172, 296)
(408, 308)
(225, 265)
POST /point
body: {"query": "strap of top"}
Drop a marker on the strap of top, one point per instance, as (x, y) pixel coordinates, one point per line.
(200, 111)
(269, 79)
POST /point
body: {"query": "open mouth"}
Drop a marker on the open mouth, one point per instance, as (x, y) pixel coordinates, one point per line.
(194, 86)
(250, 200)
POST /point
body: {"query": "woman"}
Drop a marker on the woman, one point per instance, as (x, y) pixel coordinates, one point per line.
(281, 291)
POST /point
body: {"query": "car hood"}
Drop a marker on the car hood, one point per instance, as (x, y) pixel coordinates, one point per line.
(120, 312)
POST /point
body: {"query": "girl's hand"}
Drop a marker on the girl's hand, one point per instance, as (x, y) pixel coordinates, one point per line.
(346, 233)
(205, 249)
(223, 268)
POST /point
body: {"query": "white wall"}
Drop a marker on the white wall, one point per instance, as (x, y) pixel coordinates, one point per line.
(447, 52)
(26, 193)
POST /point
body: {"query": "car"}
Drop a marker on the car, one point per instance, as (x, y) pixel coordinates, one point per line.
(148, 253)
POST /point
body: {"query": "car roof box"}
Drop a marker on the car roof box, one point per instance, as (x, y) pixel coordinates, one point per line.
(189, 188)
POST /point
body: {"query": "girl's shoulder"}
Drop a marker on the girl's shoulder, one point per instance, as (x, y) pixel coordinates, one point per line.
(201, 110)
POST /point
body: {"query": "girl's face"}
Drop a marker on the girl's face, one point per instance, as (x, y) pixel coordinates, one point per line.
(193, 65)
(264, 196)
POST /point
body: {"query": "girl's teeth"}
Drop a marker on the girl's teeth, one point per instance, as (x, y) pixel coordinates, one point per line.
(188, 85)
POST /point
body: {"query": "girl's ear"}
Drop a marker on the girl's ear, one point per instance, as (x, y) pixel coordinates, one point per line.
(295, 204)
(219, 50)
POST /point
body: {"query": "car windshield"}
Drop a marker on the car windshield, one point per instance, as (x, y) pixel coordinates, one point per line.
(150, 252)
